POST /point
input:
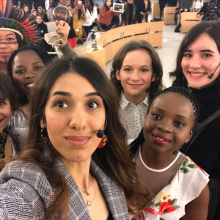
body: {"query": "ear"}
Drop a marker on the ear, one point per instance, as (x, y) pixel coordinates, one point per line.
(189, 137)
(118, 75)
(43, 123)
(153, 78)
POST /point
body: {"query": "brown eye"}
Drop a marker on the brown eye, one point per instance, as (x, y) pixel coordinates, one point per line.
(92, 105)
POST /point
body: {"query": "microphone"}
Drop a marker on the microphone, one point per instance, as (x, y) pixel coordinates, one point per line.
(212, 74)
(100, 133)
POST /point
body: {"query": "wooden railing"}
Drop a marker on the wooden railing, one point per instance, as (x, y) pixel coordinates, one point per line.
(111, 41)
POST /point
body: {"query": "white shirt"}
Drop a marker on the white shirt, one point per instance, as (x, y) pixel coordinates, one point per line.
(132, 116)
(90, 17)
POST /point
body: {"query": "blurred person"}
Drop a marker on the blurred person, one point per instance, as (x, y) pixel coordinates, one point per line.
(91, 17)
(42, 27)
(129, 15)
(106, 15)
(42, 13)
(140, 12)
(78, 13)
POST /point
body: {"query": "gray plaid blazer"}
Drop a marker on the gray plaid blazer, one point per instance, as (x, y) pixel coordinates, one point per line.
(25, 193)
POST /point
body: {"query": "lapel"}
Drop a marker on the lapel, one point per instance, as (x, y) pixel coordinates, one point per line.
(114, 196)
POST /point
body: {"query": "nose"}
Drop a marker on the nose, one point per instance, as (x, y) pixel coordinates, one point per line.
(165, 127)
(3, 45)
(195, 62)
(135, 76)
(77, 119)
(30, 74)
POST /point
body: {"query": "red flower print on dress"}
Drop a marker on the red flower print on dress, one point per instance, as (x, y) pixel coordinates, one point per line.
(165, 207)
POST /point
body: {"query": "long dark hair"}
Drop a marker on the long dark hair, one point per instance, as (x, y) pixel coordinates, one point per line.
(155, 86)
(106, 6)
(113, 159)
(210, 28)
(8, 91)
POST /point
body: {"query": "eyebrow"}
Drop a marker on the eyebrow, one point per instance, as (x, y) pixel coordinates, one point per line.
(203, 51)
(10, 35)
(69, 94)
(161, 110)
(92, 94)
(32, 63)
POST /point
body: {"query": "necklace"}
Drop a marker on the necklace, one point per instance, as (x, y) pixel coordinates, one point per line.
(154, 170)
(89, 202)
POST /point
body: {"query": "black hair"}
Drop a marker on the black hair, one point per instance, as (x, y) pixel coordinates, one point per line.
(210, 28)
(45, 57)
(173, 89)
(106, 6)
(19, 40)
(8, 91)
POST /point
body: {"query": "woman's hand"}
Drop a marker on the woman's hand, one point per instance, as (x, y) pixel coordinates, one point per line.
(62, 30)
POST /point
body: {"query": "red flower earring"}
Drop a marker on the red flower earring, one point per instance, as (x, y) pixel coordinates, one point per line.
(102, 142)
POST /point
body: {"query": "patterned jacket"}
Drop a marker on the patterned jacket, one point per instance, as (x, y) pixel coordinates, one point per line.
(25, 193)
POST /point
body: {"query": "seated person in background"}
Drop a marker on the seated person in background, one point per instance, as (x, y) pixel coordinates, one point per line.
(33, 15)
(106, 15)
(91, 17)
(97, 7)
(129, 15)
(42, 13)
(42, 27)
(26, 10)
(197, 5)
(180, 186)
(50, 10)
(78, 13)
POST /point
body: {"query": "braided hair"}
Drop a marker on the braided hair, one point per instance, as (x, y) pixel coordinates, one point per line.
(173, 89)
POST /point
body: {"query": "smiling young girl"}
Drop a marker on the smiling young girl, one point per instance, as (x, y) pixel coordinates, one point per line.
(178, 184)
(137, 76)
(24, 65)
(198, 67)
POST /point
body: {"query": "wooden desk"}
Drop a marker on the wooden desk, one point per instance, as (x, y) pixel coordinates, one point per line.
(188, 20)
(169, 14)
(155, 10)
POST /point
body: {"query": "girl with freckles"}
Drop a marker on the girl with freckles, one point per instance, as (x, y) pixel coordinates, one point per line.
(77, 165)
(179, 186)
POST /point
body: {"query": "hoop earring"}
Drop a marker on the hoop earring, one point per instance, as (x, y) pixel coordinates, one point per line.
(102, 142)
(44, 136)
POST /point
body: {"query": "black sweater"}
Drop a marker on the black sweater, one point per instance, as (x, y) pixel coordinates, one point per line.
(205, 150)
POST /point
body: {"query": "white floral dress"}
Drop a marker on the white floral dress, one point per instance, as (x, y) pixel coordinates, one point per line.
(170, 202)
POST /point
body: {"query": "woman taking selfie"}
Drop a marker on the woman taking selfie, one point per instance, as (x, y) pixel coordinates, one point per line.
(77, 165)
